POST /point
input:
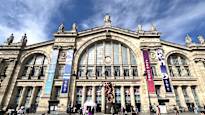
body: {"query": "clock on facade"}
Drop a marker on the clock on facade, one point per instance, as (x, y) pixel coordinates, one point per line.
(108, 59)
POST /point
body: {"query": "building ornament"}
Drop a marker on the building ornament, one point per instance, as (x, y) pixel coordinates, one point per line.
(74, 27)
(188, 39)
(107, 20)
(24, 39)
(139, 28)
(10, 39)
(201, 39)
(153, 27)
(61, 28)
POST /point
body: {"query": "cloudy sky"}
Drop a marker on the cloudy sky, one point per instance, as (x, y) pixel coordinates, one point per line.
(41, 18)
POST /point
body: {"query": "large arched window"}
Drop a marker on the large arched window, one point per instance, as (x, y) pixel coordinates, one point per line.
(106, 59)
(178, 65)
(35, 67)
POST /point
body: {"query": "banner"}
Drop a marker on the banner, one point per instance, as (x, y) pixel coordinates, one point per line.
(67, 71)
(51, 71)
(150, 82)
(165, 76)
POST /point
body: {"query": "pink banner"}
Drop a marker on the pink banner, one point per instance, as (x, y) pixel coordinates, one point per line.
(150, 82)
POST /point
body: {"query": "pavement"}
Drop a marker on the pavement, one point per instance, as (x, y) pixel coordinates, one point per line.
(183, 113)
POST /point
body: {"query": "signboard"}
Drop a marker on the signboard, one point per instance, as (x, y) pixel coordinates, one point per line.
(67, 71)
(150, 82)
(51, 71)
(164, 74)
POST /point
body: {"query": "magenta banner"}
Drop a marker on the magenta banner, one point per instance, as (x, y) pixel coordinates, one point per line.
(150, 82)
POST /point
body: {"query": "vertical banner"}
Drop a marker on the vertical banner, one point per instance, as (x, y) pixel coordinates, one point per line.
(51, 71)
(67, 71)
(164, 74)
(150, 82)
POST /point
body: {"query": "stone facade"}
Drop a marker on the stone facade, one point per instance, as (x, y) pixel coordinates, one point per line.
(25, 70)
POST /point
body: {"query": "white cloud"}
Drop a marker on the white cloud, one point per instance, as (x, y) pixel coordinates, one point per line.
(174, 18)
(27, 16)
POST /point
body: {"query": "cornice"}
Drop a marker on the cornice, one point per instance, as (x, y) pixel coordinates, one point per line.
(39, 44)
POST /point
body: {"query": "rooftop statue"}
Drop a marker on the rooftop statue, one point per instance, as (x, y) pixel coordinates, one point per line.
(188, 39)
(61, 28)
(74, 27)
(10, 39)
(24, 39)
(201, 39)
(107, 20)
(153, 28)
(139, 28)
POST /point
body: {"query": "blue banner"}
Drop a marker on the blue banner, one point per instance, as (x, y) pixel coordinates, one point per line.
(165, 76)
(51, 71)
(67, 71)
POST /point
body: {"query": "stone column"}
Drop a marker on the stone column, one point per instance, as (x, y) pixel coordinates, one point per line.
(162, 91)
(122, 89)
(93, 94)
(22, 98)
(132, 96)
(83, 95)
(103, 99)
(190, 94)
(181, 97)
(33, 96)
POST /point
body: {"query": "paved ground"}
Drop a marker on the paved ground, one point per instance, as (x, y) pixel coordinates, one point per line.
(184, 113)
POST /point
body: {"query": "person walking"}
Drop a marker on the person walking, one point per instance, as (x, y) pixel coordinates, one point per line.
(136, 111)
(196, 109)
(112, 111)
(176, 110)
(158, 110)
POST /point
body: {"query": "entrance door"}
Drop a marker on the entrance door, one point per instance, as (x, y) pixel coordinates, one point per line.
(138, 105)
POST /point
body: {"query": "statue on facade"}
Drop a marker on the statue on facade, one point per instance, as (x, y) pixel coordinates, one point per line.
(10, 39)
(139, 28)
(74, 27)
(107, 20)
(201, 39)
(153, 27)
(61, 28)
(188, 39)
(24, 39)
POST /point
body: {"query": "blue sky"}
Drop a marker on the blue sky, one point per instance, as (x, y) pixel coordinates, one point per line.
(41, 18)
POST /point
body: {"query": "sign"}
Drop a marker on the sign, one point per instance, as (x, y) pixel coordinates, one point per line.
(51, 71)
(67, 71)
(164, 74)
(150, 82)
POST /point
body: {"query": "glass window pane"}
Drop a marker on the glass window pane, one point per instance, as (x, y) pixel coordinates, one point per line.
(124, 55)
(39, 60)
(83, 59)
(133, 61)
(108, 49)
(99, 53)
(91, 55)
(116, 54)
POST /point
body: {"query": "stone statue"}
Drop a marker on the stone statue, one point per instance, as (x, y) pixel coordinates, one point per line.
(61, 28)
(107, 20)
(139, 28)
(74, 27)
(188, 39)
(10, 39)
(24, 39)
(153, 28)
(201, 39)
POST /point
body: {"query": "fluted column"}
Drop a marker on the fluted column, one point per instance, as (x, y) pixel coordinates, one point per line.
(132, 96)
(93, 94)
(83, 95)
(103, 98)
(22, 97)
(33, 96)
(190, 94)
(122, 89)
(181, 97)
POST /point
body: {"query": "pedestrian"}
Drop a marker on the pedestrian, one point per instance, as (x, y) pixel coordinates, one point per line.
(123, 110)
(136, 110)
(176, 110)
(196, 109)
(112, 111)
(158, 110)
